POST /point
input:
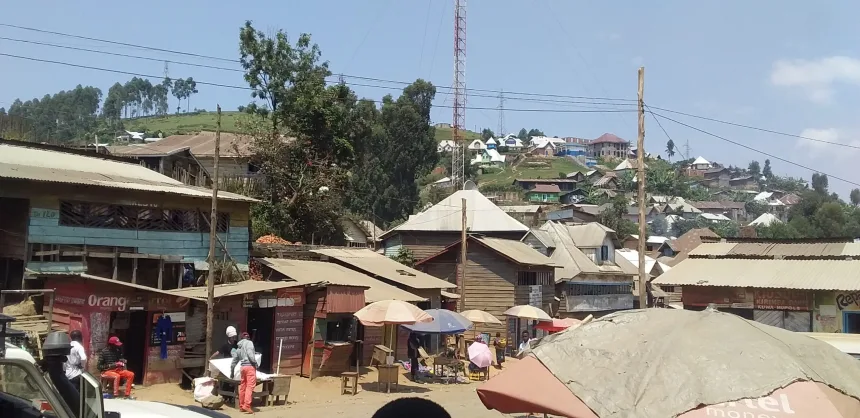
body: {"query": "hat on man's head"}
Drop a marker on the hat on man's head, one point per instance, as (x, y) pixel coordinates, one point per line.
(245, 335)
(231, 332)
(115, 341)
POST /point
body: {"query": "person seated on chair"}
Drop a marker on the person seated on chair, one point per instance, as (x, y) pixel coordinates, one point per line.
(113, 366)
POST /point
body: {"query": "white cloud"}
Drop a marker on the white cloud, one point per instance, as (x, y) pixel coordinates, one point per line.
(821, 147)
(816, 77)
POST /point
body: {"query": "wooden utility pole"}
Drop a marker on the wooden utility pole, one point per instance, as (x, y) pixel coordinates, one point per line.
(463, 259)
(213, 233)
(640, 170)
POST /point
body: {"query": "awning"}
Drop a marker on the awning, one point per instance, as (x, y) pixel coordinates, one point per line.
(450, 295)
(232, 289)
(204, 266)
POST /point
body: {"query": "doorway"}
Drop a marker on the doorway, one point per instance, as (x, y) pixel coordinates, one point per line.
(127, 327)
(261, 322)
(851, 322)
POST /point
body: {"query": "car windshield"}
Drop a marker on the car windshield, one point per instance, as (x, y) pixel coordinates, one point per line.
(91, 397)
(18, 388)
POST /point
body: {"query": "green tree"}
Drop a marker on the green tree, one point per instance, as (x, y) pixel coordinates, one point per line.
(777, 230)
(523, 134)
(179, 91)
(754, 169)
(487, 134)
(755, 209)
(855, 197)
(766, 171)
(670, 149)
(190, 90)
(613, 217)
(830, 220)
(659, 226)
(535, 132)
(819, 183)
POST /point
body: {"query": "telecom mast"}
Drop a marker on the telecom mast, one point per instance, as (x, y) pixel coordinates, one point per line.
(459, 122)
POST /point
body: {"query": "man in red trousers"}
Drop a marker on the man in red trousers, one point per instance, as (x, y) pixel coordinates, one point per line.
(112, 365)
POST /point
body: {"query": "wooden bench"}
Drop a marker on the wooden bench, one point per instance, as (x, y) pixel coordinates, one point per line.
(349, 382)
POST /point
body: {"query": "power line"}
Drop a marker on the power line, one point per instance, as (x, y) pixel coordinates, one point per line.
(663, 129)
(191, 54)
(205, 83)
(169, 51)
(740, 125)
(754, 149)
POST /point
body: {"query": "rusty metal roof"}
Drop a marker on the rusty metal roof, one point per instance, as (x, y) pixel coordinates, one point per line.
(23, 163)
(386, 268)
(307, 272)
(201, 144)
(518, 251)
(777, 249)
(759, 273)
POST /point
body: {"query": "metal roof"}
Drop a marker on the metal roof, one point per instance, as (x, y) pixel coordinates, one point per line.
(307, 272)
(777, 249)
(521, 208)
(482, 215)
(590, 235)
(385, 268)
(517, 251)
(759, 273)
(566, 254)
(21, 162)
(201, 144)
(232, 289)
(99, 279)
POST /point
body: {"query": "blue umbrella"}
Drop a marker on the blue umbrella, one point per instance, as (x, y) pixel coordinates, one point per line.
(444, 322)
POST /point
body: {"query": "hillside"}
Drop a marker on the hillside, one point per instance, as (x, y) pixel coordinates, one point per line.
(523, 170)
(182, 124)
(205, 121)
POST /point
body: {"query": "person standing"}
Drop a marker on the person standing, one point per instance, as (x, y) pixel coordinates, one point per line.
(112, 365)
(500, 343)
(246, 356)
(226, 350)
(524, 343)
(76, 361)
(414, 345)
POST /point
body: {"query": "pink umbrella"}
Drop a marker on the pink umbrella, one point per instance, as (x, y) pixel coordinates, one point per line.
(480, 354)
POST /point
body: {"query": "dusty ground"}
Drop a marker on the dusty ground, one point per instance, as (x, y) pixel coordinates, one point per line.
(322, 396)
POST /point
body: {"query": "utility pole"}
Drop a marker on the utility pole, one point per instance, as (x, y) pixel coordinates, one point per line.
(501, 132)
(640, 169)
(213, 231)
(463, 259)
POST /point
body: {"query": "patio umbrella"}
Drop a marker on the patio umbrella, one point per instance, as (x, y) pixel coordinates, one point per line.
(480, 317)
(444, 322)
(480, 354)
(557, 325)
(667, 363)
(528, 312)
(391, 312)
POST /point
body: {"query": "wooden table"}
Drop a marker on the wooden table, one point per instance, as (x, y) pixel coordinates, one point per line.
(232, 389)
(388, 375)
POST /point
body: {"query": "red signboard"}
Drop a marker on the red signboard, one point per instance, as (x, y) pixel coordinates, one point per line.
(783, 300)
(287, 338)
(721, 297)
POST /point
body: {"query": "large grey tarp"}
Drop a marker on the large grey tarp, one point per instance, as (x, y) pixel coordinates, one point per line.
(659, 363)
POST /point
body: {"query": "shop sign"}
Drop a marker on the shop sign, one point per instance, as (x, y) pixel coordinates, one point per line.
(281, 299)
(782, 300)
(535, 295)
(721, 297)
(848, 300)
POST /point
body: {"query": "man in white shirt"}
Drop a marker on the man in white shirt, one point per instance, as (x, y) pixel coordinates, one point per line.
(77, 359)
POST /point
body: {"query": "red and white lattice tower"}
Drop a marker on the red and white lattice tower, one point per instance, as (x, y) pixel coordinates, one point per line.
(459, 122)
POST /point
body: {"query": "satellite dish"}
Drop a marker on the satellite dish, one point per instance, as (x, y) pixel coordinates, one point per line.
(470, 185)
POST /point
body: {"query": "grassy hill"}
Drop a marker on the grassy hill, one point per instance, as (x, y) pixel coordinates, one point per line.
(522, 170)
(205, 121)
(183, 124)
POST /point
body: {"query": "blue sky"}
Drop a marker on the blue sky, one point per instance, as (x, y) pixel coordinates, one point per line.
(788, 65)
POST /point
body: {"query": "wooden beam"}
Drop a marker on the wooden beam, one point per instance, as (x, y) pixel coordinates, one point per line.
(51, 252)
(134, 270)
(161, 274)
(115, 265)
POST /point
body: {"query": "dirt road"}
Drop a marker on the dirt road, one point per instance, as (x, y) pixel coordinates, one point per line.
(322, 396)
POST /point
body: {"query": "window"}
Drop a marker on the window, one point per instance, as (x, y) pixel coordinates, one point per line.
(98, 215)
(597, 289)
(339, 329)
(533, 278)
(604, 253)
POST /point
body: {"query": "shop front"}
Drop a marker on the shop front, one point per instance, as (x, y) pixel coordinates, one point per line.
(789, 309)
(837, 311)
(150, 323)
(735, 300)
(330, 330)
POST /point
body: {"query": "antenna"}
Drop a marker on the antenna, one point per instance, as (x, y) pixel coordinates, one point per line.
(459, 120)
(501, 132)
(166, 69)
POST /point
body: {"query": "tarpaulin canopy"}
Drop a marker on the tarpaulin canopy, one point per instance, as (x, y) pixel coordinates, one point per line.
(659, 363)
(444, 322)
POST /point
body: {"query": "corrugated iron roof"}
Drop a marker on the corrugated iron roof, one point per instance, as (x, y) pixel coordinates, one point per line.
(545, 188)
(99, 279)
(307, 272)
(201, 144)
(765, 273)
(232, 289)
(567, 255)
(482, 215)
(21, 162)
(450, 295)
(521, 208)
(590, 235)
(777, 249)
(386, 268)
(516, 250)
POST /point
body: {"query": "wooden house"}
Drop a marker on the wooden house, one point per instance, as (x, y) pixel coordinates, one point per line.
(499, 274)
(71, 213)
(433, 230)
